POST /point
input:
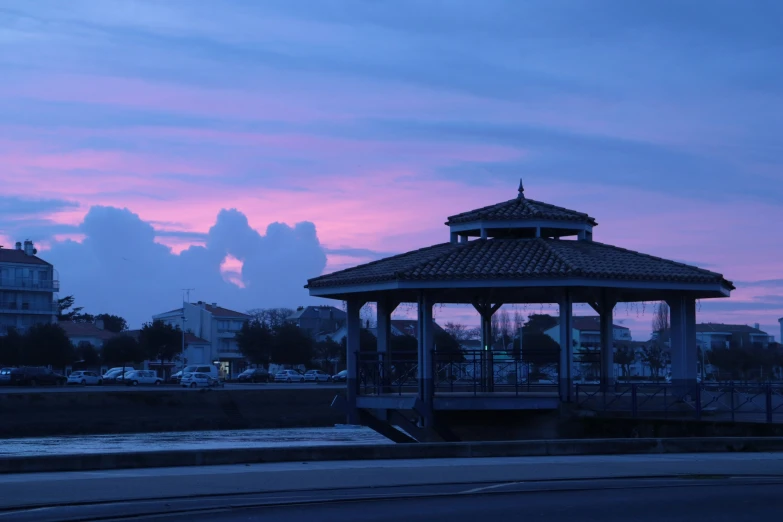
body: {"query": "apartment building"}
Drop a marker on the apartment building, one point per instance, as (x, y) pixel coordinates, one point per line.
(28, 288)
(217, 326)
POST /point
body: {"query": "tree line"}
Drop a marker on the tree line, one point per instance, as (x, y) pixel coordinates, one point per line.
(48, 345)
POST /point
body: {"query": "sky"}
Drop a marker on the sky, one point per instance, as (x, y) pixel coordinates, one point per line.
(240, 147)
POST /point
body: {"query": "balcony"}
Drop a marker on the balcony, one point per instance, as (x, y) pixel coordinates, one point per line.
(26, 308)
(30, 284)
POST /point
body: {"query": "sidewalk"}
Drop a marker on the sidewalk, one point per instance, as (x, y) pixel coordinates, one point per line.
(97, 486)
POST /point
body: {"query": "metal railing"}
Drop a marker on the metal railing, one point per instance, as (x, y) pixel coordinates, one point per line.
(28, 283)
(25, 308)
(706, 401)
(471, 372)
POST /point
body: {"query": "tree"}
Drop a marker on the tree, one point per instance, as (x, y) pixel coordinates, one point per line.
(47, 344)
(505, 333)
(447, 345)
(112, 323)
(161, 341)
(328, 351)
(122, 350)
(660, 321)
(255, 341)
(625, 356)
(87, 355)
(272, 317)
(519, 322)
(539, 349)
(11, 348)
(655, 357)
(291, 346)
(458, 331)
(66, 309)
(539, 323)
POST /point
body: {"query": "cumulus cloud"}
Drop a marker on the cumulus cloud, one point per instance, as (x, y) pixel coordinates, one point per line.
(120, 268)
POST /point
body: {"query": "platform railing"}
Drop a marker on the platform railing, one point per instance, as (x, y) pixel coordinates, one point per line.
(470, 372)
(703, 401)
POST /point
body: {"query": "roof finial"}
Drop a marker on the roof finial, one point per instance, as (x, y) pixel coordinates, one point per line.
(521, 190)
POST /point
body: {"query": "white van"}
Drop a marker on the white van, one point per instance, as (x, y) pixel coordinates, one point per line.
(208, 369)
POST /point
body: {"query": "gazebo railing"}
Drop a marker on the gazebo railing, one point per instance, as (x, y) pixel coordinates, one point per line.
(704, 401)
(466, 372)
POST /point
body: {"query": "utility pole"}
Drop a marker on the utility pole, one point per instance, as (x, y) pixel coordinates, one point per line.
(185, 292)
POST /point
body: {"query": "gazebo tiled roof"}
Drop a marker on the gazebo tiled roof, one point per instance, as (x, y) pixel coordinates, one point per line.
(520, 259)
(521, 209)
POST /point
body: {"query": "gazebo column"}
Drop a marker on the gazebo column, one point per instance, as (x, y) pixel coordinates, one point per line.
(605, 308)
(486, 310)
(353, 325)
(426, 369)
(385, 308)
(566, 345)
(683, 340)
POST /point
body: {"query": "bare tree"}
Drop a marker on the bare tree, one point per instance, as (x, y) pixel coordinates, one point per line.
(519, 321)
(458, 331)
(495, 324)
(660, 321)
(505, 327)
(368, 316)
(272, 317)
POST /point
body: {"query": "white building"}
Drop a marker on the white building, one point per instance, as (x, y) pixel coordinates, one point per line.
(91, 333)
(28, 289)
(711, 335)
(587, 332)
(217, 326)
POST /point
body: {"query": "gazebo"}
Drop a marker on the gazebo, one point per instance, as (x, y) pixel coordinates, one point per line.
(518, 251)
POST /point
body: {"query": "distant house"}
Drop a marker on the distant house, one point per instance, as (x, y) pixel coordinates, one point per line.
(216, 327)
(318, 321)
(91, 333)
(398, 327)
(587, 332)
(712, 335)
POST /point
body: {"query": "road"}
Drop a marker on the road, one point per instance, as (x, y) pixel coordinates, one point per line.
(719, 487)
(113, 388)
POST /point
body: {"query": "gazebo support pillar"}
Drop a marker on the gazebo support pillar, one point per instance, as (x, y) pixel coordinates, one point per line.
(385, 309)
(426, 368)
(683, 341)
(486, 311)
(566, 346)
(354, 326)
(605, 309)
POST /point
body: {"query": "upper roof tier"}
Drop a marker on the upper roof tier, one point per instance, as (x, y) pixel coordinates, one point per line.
(522, 217)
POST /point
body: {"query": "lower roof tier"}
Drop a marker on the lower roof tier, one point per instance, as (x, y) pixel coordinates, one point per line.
(519, 263)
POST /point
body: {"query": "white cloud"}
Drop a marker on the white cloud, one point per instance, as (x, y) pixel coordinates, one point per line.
(119, 268)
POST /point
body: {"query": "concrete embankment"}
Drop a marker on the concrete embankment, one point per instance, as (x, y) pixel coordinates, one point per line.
(159, 459)
(105, 412)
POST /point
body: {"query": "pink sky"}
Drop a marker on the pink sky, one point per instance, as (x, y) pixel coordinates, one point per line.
(375, 126)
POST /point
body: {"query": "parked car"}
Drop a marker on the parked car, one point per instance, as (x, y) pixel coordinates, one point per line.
(85, 378)
(340, 376)
(289, 376)
(199, 380)
(176, 377)
(5, 375)
(114, 374)
(34, 375)
(254, 375)
(317, 376)
(137, 377)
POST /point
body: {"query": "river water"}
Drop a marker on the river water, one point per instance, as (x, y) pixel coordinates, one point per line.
(192, 440)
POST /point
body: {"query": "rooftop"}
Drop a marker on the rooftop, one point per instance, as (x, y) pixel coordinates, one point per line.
(73, 329)
(520, 259)
(727, 328)
(10, 255)
(590, 323)
(521, 209)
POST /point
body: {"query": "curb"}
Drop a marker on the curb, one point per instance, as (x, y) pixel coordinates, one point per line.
(539, 448)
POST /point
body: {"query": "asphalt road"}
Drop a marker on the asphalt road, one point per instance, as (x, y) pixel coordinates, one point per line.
(113, 388)
(599, 503)
(714, 487)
